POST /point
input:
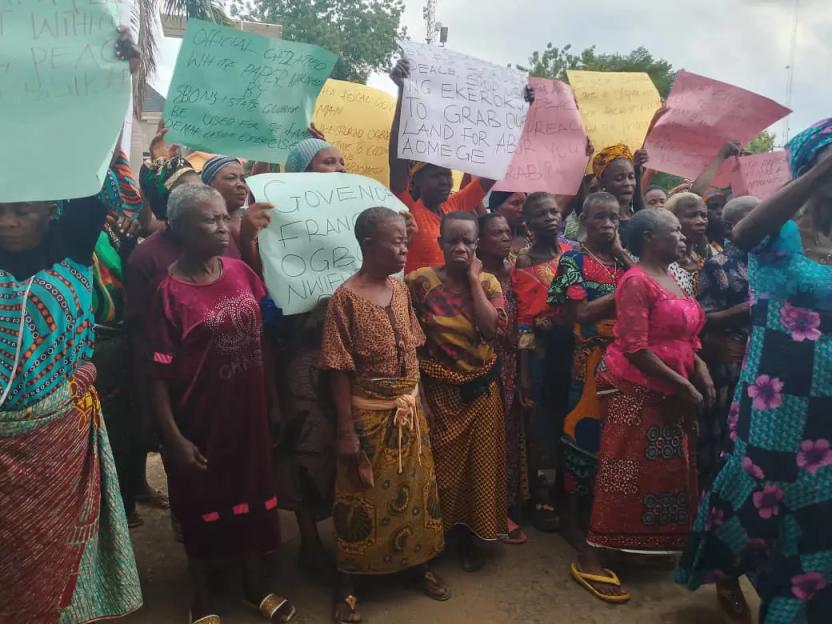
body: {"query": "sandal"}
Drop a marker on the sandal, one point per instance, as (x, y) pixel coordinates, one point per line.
(545, 518)
(516, 535)
(207, 619)
(153, 497)
(433, 586)
(585, 580)
(733, 605)
(352, 616)
(272, 605)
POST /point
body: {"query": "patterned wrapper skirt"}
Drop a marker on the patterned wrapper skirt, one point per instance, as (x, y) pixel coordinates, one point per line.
(66, 551)
(465, 412)
(395, 524)
(646, 489)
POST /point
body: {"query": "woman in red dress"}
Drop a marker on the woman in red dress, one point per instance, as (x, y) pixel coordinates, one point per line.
(211, 398)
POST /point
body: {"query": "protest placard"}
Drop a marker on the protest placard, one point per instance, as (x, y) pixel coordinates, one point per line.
(460, 112)
(616, 107)
(63, 92)
(357, 119)
(242, 94)
(761, 175)
(702, 114)
(551, 155)
(309, 248)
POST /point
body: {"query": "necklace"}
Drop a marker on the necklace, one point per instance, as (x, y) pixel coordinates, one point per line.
(614, 274)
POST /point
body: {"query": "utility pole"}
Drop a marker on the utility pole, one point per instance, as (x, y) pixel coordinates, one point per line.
(790, 72)
(429, 13)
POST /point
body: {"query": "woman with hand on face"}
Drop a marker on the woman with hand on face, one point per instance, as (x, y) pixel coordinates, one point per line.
(385, 461)
(462, 313)
(767, 513)
(692, 213)
(584, 293)
(211, 392)
(495, 252)
(538, 343)
(652, 384)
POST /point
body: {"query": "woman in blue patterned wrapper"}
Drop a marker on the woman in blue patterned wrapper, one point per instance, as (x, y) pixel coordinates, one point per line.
(768, 510)
(66, 553)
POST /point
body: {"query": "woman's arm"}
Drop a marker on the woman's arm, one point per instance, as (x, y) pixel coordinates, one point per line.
(347, 445)
(772, 213)
(651, 365)
(723, 316)
(182, 451)
(485, 314)
(592, 311)
(701, 185)
(399, 169)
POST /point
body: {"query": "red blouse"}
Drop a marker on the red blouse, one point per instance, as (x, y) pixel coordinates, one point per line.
(651, 317)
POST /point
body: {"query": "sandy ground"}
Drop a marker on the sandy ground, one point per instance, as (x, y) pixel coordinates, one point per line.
(526, 584)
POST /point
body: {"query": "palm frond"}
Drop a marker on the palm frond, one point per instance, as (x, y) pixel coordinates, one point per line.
(142, 18)
(211, 10)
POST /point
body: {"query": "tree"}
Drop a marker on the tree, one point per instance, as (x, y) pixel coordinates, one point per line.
(553, 63)
(763, 142)
(363, 33)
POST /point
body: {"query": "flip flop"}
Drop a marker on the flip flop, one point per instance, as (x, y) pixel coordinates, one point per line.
(271, 606)
(516, 535)
(206, 619)
(585, 580)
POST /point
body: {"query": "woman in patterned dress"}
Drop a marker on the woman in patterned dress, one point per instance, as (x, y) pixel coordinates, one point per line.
(542, 358)
(767, 513)
(652, 383)
(462, 313)
(692, 213)
(386, 512)
(495, 252)
(584, 290)
(211, 394)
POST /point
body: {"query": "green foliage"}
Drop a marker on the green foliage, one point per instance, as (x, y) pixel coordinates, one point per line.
(665, 181)
(210, 10)
(763, 142)
(553, 63)
(363, 33)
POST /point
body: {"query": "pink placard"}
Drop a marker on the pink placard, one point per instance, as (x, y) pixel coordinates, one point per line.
(551, 154)
(761, 175)
(702, 115)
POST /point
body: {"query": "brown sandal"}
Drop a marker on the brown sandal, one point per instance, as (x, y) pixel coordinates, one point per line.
(352, 616)
(732, 604)
(272, 605)
(434, 587)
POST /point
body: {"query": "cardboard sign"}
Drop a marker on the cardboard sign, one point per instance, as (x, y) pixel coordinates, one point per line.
(761, 175)
(460, 112)
(551, 155)
(357, 119)
(702, 115)
(63, 92)
(241, 94)
(309, 248)
(616, 107)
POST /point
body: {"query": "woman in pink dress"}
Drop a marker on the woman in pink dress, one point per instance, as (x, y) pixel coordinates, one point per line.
(652, 383)
(211, 399)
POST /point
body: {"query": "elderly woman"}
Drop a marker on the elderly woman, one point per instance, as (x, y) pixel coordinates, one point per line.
(494, 250)
(724, 296)
(651, 382)
(767, 513)
(384, 454)
(692, 213)
(583, 291)
(211, 397)
(462, 313)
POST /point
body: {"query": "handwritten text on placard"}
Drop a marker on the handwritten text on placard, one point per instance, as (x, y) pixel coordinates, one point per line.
(243, 94)
(761, 175)
(309, 247)
(62, 90)
(460, 112)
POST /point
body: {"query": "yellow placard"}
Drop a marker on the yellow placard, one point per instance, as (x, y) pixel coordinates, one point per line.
(616, 107)
(356, 119)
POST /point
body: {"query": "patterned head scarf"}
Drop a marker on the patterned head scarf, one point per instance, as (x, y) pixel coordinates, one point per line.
(213, 166)
(158, 177)
(607, 156)
(804, 149)
(301, 155)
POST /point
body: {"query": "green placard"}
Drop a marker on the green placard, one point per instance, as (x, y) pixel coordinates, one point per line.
(241, 94)
(63, 97)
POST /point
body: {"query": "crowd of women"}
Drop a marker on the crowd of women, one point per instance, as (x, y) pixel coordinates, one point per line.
(650, 372)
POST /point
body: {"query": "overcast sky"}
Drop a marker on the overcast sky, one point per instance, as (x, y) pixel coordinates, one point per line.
(743, 42)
